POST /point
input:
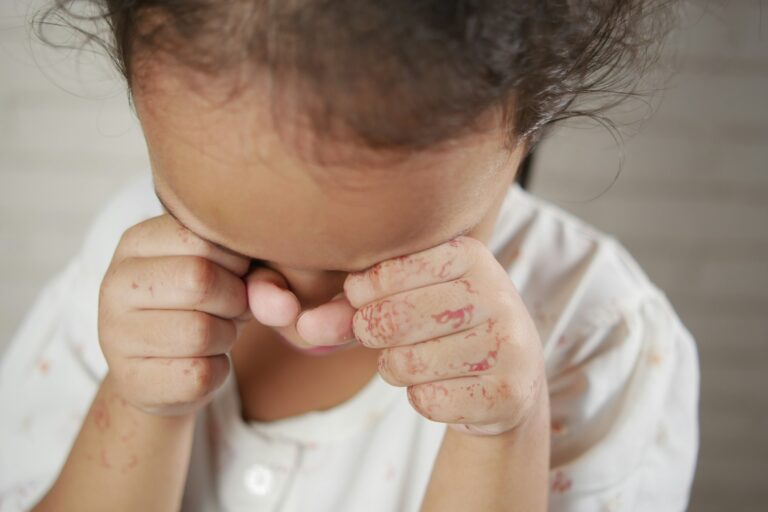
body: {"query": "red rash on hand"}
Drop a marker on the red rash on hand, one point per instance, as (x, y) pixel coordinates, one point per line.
(403, 267)
(385, 318)
(413, 365)
(468, 286)
(489, 361)
(430, 393)
(458, 314)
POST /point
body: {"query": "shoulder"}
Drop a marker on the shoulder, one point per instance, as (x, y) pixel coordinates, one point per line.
(573, 277)
(66, 308)
(53, 363)
(622, 368)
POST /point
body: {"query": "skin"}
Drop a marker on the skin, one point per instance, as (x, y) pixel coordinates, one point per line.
(231, 176)
(365, 259)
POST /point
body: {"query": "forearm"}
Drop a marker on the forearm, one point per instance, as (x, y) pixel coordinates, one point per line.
(509, 471)
(123, 459)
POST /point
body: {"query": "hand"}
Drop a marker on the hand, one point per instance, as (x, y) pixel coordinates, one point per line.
(170, 306)
(452, 328)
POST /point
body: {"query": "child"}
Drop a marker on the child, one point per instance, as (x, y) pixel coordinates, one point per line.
(330, 264)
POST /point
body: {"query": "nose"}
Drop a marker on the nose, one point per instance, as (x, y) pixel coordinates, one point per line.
(312, 287)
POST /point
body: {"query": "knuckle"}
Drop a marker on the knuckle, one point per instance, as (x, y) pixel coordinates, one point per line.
(391, 368)
(472, 246)
(505, 303)
(107, 283)
(201, 327)
(199, 278)
(129, 239)
(206, 374)
(128, 236)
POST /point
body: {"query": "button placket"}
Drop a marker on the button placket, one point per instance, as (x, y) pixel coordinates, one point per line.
(258, 479)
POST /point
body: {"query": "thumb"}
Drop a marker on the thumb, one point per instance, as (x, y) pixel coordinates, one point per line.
(269, 298)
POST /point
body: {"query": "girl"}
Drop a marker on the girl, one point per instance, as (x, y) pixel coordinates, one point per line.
(330, 293)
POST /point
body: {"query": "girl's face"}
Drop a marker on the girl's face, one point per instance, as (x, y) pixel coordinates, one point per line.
(226, 175)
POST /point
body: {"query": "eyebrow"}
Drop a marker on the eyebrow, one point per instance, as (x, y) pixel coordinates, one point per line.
(227, 249)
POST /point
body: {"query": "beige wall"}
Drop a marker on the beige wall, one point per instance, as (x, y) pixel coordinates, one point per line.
(691, 203)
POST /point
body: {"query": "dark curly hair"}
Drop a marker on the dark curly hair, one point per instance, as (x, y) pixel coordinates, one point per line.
(395, 74)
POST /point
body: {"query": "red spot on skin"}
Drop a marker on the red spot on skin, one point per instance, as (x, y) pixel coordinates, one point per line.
(101, 415)
(454, 243)
(489, 361)
(470, 335)
(127, 436)
(505, 391)
(104, 462)
(431, 393)
(130, 465)
(479, 366)
(462, 315)
(562, 483)
(557, 426)
(471, 389)
(375, 270)
(43, 366)
(384, 319)
(422, 264)
(443, 272)
(187, 371)
(134, 285)
(413, 365)
(468, 285)
(491, 323)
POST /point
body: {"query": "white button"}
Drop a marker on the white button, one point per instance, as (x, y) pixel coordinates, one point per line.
(258, 479)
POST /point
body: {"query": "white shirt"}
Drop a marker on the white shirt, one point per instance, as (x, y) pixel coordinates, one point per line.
(622, 370)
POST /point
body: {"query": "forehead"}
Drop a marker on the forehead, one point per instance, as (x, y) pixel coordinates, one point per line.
(228, 175)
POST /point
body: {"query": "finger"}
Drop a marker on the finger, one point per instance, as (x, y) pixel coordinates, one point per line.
(171, 334)
(164, 236)
(444, 262)
(159, 384)
(269, 298)
(480, 400)
(424, 313)
(481, 350)
(328, 324)
(176, 282)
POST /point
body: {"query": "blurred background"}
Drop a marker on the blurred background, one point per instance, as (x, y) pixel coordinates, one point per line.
(690, 202)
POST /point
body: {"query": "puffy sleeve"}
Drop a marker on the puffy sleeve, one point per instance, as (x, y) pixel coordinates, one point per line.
(53, 365)
(624, 394)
